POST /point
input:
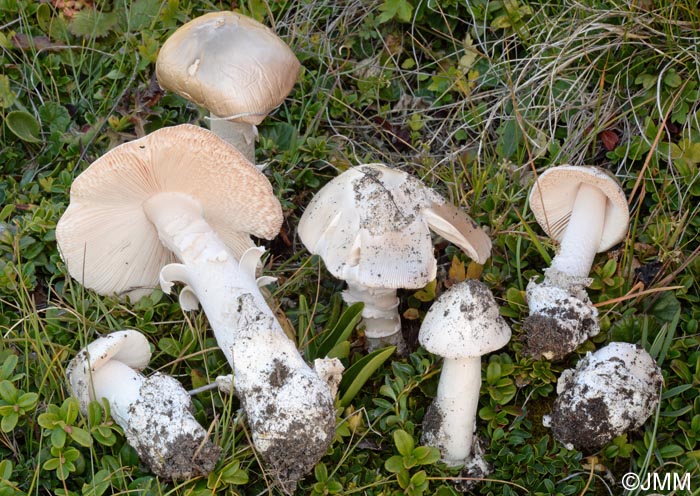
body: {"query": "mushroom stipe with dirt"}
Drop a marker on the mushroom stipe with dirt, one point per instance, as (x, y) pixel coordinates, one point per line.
(155, 412)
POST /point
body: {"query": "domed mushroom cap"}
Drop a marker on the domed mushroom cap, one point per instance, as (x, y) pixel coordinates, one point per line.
(371, 225)
(230, 64)
(554, 193)
(464, 322)
(128, 347)
(104, 236)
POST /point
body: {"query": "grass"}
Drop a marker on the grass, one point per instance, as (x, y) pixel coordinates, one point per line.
(474, 99)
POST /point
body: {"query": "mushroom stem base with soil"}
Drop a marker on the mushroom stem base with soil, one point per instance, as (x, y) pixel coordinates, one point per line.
(450, 420)
(289, 407)
(239, 134)
(156, 415)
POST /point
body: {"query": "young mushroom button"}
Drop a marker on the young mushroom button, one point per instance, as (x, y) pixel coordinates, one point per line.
(585, 210)
(371, 226)
(609, 392)
(232, 65)
(155, 412)
(462, 325)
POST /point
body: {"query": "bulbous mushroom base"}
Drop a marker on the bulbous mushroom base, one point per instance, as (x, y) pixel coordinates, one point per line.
(562, 316)
(164, 433)
(609, 392)
(289, 407)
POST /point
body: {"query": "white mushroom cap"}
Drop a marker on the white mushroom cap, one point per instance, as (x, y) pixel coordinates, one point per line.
(229, 64)
(104, 236)
(371, 225)
(464, 322)
(554, 193)
(128, 347)
(610, 391)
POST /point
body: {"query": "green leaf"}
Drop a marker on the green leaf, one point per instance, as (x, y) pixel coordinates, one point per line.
(665, 307)
(70, 410)
(359, 372)
(99, 484)
(23, 125)
(8, 392)
(400, 9)
(170, 347)
(404, 442)
(321, 472)
(140, 14)
(234, 474)
(55, 115)
(81, 436)
(94, 413)
(11, 361)
(426, 455)
(28, 401)
(671, 451)
(7, 96)
(394, 464)
(5, 469)
(342, 329)
(58, 437)
(92, 23)
(9, 422)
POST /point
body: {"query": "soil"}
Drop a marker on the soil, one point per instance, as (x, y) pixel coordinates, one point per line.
(585, 426)
(432, 422)
(555, 333)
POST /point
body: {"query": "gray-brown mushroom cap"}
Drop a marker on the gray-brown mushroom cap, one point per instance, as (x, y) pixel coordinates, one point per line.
(230, 64)
(553, 195)
(464, 322)
(104, 236)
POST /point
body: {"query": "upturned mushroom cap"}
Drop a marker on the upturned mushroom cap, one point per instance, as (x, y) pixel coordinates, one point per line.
(553, 195)
(230, 64)
(371, 225)
(104, 236)
(128, 347)
(464, 322)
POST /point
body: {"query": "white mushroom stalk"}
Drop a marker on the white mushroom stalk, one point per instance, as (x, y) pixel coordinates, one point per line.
(609, 392)
(289, 407)
(155, 412)
(462, 325)
(371, 226)
(586, 211)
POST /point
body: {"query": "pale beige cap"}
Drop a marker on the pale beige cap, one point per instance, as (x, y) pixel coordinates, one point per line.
(371, 225)
(553, 195)
(230, 64)
(104, 236)
(128, 347)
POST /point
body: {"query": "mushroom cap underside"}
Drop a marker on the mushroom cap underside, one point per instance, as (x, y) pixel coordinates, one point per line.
(129, 347)
(553, 195)
(464, 322)
(371, 224)
(104, 236)
(230, 64)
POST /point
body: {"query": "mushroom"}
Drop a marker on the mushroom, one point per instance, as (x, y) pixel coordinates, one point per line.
(461, 325)
(585, 210)
(611, 391)
(155, 412)
(232, 65)
(183, 194)
(371, 226)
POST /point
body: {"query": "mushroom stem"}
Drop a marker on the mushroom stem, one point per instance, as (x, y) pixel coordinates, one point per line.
(581, 239)
(452, 415)
(156, 415)
(380, 315)
(208, 268)
(239, 134)
(289, 407)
